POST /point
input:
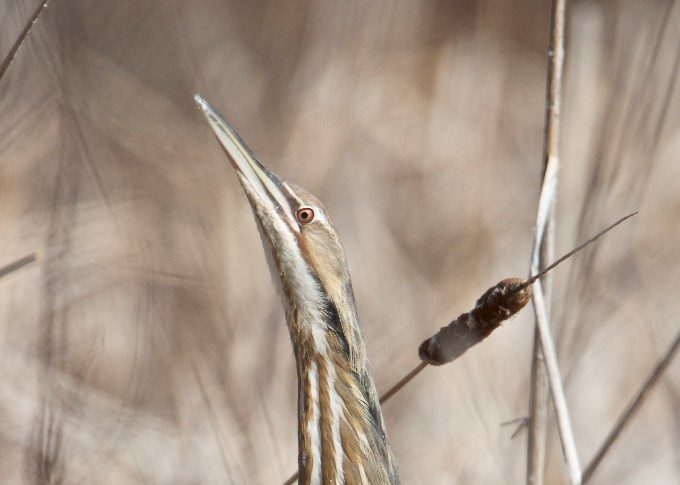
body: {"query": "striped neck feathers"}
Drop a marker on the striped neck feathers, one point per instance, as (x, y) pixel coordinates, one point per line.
(341, 430)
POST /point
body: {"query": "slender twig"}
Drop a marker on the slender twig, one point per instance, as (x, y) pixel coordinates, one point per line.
(402, 382)
(597, 236)
(543, 245)
(22, 36)
(555, 381)
(292, 479)
(521, 424)
(19, 263)
(537, 421)
(632, 408)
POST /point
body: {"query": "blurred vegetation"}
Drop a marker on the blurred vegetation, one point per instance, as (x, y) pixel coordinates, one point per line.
(147, 345)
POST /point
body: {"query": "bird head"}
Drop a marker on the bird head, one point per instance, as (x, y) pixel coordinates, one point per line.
(303, 249)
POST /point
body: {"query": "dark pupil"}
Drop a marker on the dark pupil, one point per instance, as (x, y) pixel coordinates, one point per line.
(304, 215)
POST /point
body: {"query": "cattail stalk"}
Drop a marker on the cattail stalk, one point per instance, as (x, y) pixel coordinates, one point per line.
(544, 366)
(22, 36)
(18, 264)
(632, 407)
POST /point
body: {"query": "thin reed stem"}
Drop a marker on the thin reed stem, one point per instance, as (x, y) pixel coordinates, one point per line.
(402, 382)
(632, 408)
(22, 36)
(597, 236)
(542, 250)
(15, 265)
(555, 381)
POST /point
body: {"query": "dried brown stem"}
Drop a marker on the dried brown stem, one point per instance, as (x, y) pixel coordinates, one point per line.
(19, 263)
(292, 479)
(632, 408)
(22, 36)
(529, 281)
(402, 382)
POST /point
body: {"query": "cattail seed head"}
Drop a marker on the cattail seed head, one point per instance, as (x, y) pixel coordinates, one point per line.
(498, 303)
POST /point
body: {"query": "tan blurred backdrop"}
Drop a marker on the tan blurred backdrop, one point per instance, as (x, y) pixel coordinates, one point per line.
(147, 344)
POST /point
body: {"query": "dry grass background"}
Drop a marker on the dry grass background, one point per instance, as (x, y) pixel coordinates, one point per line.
(147, 345)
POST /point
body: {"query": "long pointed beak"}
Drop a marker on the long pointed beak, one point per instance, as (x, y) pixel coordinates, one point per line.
(266, 185)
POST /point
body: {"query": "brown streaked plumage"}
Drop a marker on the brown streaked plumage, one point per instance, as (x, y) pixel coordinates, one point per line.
(341, 433)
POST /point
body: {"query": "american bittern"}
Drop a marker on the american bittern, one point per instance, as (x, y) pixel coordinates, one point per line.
(341, 433)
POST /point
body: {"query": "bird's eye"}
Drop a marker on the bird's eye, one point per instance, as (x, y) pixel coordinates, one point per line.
(305, 215)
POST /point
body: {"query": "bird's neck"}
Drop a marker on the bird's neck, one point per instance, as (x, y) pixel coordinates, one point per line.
(341, 431)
